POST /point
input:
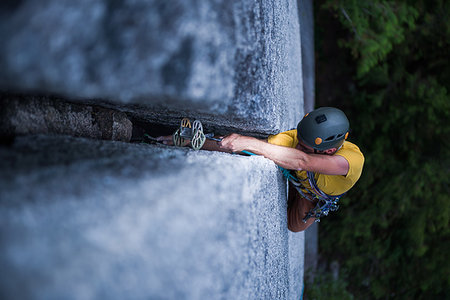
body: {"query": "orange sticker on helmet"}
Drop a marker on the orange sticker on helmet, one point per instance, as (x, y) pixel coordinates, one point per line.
(318, 141)
(346, 136)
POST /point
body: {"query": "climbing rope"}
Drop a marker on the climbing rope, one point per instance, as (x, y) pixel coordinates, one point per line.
(325, 203)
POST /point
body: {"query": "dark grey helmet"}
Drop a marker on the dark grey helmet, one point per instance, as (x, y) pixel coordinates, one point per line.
(323, 128)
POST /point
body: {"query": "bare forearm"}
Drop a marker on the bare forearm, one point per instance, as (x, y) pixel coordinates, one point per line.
(285, 157)
(211, 145)
(288, 158)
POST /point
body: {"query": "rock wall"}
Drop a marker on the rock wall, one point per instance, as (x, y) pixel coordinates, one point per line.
(86, 219)
(306, 17)
(234, 63)
(100, 219)
(45, 115)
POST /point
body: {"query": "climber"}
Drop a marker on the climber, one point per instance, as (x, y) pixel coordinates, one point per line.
(324, 165)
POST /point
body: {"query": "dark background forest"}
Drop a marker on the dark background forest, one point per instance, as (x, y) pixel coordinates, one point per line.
(385, 63)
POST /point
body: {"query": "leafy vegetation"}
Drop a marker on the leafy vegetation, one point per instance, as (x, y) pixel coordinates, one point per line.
(385, 64)
(325, 287)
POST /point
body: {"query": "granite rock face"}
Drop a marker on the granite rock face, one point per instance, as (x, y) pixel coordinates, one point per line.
(113, 220)
(94, 219)
(232, 63)
(23, 115)
(306, 17)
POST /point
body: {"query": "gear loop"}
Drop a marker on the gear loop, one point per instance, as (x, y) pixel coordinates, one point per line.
(325, 203)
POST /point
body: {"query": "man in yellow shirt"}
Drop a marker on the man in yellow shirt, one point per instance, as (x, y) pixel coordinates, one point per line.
(325, 165)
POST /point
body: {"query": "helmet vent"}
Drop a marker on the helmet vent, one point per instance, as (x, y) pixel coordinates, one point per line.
(330, 138)
(320, 119)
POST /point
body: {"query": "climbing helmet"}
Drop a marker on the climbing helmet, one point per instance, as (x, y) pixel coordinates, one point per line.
(323, 128)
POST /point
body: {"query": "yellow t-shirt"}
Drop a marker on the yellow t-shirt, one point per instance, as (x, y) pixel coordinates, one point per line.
(330, 184)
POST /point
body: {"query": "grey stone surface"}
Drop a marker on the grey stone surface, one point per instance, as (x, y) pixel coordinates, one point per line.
(234, 63)
(311, 251)
(22, 115)
(306, 17)
(86, 219)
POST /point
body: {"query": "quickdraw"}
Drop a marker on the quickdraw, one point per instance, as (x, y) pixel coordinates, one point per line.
(189, 134)
(325, 203)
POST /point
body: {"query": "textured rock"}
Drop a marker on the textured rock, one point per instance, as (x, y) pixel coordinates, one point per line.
(86, 219)
(232, 63)
(306, 17)
(306, 14)
(21, 115)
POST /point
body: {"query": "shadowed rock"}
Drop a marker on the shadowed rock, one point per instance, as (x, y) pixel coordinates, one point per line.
(22, 115)
(232, 62)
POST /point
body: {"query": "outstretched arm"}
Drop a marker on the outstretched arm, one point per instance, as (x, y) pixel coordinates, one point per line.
(286, 157)
(208, 145)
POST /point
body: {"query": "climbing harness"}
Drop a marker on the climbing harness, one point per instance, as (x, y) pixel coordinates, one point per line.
(193, 135)
(325, 203)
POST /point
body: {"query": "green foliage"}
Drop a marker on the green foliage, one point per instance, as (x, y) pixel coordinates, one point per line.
(325, 287)
(392, 233)
(376, 25)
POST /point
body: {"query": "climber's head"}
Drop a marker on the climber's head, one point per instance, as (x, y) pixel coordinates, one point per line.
(323, 130)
